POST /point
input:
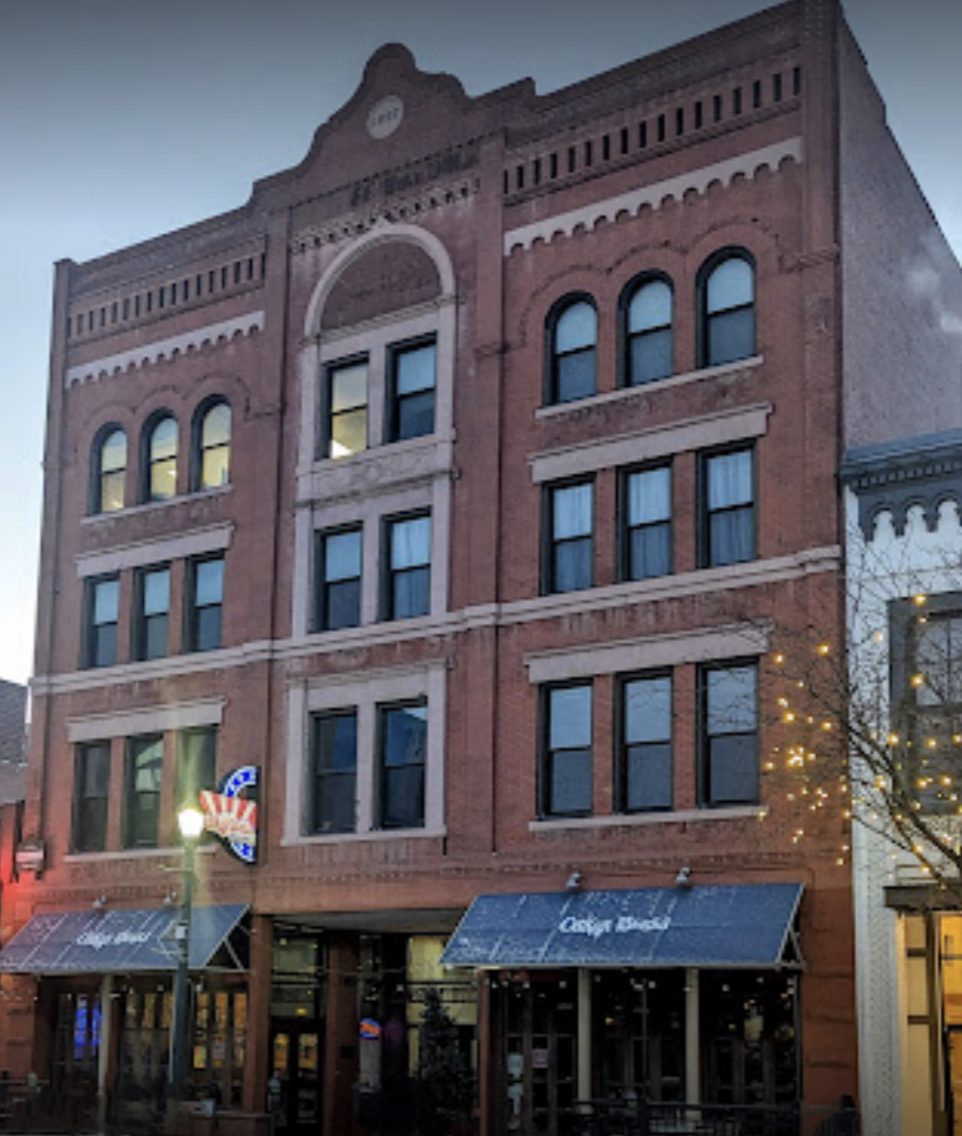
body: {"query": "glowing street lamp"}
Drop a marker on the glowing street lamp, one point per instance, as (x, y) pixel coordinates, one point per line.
(190, 821)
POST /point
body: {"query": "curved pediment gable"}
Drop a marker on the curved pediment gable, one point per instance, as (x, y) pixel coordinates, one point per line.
(390, 275)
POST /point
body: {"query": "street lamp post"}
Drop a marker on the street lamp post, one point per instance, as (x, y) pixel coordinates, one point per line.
(191, 823)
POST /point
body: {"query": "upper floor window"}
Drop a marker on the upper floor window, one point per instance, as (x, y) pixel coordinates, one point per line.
(204, 610)
(109, 471)
(331, 804)
(160, 470)
(408, 574)
(151, 612)
(339, 579)
(727, 297)
(145, 760)
(728, 502)
(102, 603)
(345, 409)
(646, 512)
(569, 550)
(411, 390)
(402, 756)
(196, 763)
(648, 332)
(729, 735)
(645, 758)
(573, 337)
(91, 796)
(566, 750)
(212, 447)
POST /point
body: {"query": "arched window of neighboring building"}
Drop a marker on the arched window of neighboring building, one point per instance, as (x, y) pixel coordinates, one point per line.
(160, 464)
(648, 344)
(212, 434)
(727, 300)
(572, 338)
(109, 470)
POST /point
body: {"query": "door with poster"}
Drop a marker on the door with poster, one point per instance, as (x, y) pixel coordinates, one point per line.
(296, 1069)
(538, 1066)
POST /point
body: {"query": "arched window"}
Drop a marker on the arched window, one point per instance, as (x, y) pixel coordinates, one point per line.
(728, 309)
(212, 446)
(573, 335)
(160, 470)
(109, 467)
(649, 347)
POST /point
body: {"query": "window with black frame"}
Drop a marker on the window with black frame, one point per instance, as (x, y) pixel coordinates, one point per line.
(145, 761)
(334, 772)
(345, 409)
(196, 763)
(566, 765)
(649, 340)
(205, 603)
(402, 758)
(729, 734)
(152, 612)
(728, 508)
(102, 600)
(412, 380)
(572, 347)
(213, 442)
(646, 518)
(91, 797)
(160, 471)
(109, 471)
(407, 585)
(646, 756)
(338, 579)
(727, 296)
(569, 545)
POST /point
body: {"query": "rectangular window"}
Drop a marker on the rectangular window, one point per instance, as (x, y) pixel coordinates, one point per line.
(566, 750)
(402, 756)
(413, 371)
(570, 545)
(408, 583)
(145, 759)
(91, 794)
(338, 579)
(645, 780)
(728, 500)
(646, 512)
(334, 767)
(103, 605)
(196, 764)
(152, 614)
(205, 603)
(729, 735)
(345, 414)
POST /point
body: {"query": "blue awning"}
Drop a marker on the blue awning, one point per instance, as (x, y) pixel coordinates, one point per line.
(116, 942)
(738, 925)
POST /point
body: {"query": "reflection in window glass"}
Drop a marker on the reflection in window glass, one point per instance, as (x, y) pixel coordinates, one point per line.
(573, 352)
(215, 438)
(646, 730)
(730, 741)
(347, 414)
(112, 473)
(647, 549)
(403, 755)
(162, 461)
(566, 785)
(729, 312)
(649, 330)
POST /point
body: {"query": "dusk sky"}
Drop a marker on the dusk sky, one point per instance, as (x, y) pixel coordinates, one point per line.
(121, 121)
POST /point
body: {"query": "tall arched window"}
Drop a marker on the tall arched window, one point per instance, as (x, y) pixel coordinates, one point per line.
(160, 470)
(727, 309)
(649, 347)
(212, 447)
(109, 467)
(573, 337)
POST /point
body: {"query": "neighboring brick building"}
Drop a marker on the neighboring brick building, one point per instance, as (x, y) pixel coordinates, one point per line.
(457, 483)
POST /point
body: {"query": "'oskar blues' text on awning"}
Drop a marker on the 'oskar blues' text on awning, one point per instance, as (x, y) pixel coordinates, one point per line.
(624, 924)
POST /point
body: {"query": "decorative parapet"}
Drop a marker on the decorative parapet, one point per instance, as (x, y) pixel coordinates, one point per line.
(898, 476)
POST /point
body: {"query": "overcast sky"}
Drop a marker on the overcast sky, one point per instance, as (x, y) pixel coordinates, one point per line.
(122, 120)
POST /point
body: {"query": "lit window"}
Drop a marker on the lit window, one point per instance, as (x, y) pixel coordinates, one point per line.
(403, 736)
(648, 333)
(566, 754)
(339, 579)
(212, 460)
(573, 333)
(646, 762)
(728, 310)
(412, 382)
(728, 495)
(109, 472)
(345, 419)
(408, 584)
(646, 547)
(334, 763)
(570, 543)
(729, 735)
(160, 475)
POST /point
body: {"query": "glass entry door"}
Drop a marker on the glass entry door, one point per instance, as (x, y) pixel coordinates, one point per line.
(296, 1063)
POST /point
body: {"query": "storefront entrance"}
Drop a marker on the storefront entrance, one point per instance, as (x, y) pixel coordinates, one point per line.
(296, 1065)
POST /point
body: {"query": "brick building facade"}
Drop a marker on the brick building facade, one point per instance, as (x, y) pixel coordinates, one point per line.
(458, 484)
